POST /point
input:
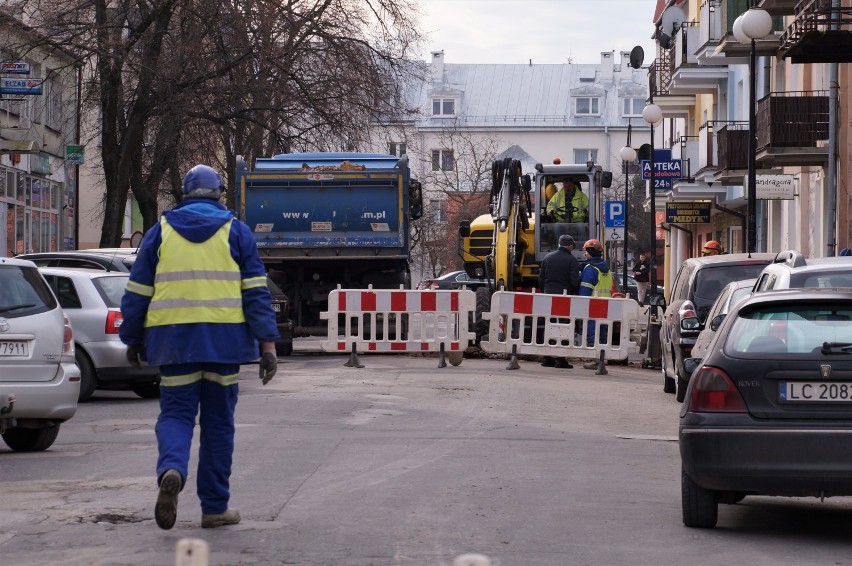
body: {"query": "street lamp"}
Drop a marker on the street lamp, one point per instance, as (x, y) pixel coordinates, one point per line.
(628, 155)
(749, 26)
(653, 116)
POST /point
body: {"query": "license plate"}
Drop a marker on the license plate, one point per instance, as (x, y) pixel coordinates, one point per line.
(276, 307)
(9, 348)
(813, 391)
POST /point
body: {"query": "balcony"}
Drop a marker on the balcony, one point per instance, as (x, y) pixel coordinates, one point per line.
(732, 140)
(778, 7)
(687, 76)
(709, 34)
(820, 33)
(792, 128)
(733, 50)
(695, 183)
(659, 79)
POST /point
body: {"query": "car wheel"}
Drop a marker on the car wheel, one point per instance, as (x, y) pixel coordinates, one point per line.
(700, 506)
(146, 390)
(669, 385)
(483, 304)
(30, 439)
(284, 349)
(88, 377)
(681, 389)
(455, 358)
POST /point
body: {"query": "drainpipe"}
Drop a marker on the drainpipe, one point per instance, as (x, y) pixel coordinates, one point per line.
(831, 181)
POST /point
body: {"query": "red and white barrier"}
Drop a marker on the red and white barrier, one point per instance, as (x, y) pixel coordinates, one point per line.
(557, 325)
(399, 320)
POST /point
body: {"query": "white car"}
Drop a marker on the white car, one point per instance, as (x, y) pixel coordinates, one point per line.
(39, 381)
(92, 300)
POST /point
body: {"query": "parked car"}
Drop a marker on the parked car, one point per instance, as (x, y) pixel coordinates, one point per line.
(733, 292)
(92, 300)
(107, 259)
(453, 280)
(791, 269)
(122, 260)
(39, 381)
(698, 283)
(769, 409)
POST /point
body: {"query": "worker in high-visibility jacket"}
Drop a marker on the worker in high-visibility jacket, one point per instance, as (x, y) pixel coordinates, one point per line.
(569, 204)
(197, 305)
(595, 281)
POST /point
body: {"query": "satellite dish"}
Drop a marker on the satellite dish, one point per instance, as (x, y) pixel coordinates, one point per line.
(664, 39)
(637, 56)
(671, 20)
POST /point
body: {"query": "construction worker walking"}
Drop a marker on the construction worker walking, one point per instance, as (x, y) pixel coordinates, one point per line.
(197, 304)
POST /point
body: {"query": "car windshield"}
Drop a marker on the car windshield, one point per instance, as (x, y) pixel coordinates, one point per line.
(791, 329)
(111, 289)
(712, 279)
(23, 292)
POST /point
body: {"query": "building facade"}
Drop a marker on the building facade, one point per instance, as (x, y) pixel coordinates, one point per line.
(38, 123)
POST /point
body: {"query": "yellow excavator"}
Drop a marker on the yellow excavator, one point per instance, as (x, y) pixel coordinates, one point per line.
(524, 223)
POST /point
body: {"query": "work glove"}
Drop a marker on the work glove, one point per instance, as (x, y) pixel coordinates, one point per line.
(135, 354)
(268, 366)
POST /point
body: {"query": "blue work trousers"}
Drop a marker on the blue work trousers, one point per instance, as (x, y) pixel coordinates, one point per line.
(183, 389)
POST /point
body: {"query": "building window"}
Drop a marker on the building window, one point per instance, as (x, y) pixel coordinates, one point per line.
(585, 155)
(443, 107)
(437, 211)
(587, 106)
(443, 160)
(396, 148)
(633, 106)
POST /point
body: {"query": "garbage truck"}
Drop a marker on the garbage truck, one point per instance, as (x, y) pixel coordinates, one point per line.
(327, 219)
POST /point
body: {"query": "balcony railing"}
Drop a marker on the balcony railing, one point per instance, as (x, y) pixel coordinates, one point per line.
(819, 33)
(732, 138)
(710, 28)
(686, 149)
(792, 119)
(660, 73)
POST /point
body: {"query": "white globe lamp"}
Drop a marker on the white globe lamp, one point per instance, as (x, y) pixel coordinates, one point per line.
(756, 23)
(737, 30)
(652, 114)
(628, 154)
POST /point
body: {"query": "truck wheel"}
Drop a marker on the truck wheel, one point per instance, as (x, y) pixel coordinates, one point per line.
(483, 304)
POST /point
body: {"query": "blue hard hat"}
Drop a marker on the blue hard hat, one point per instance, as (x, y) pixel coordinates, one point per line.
(202, 181)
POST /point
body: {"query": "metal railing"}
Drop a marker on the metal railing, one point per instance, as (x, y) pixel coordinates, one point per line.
(816, 16)
(792, 119)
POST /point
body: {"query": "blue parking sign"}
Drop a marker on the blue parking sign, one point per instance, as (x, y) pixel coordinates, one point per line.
(614, 214)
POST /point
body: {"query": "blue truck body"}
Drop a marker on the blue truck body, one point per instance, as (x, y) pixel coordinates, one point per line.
(328, 219)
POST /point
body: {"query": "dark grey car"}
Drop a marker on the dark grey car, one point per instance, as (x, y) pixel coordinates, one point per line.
(768, 411)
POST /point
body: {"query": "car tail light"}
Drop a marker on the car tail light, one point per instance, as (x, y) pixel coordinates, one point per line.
(688, 317)
(68, 337)
(113, 322)
(714, 392)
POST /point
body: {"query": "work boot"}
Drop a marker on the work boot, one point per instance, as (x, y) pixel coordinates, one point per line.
(548, 362)
(229, 517)
(563, 364)
(165, 511)
(592, 365)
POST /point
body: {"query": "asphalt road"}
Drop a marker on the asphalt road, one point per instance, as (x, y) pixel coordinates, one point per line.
(402, 463)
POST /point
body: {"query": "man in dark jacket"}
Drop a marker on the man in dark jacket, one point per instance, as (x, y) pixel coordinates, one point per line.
(197, 305)
(641, 273)
(559, 273)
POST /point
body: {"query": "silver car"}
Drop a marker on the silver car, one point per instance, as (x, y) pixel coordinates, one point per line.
(733, 292)
(39, 381)
(92, 301)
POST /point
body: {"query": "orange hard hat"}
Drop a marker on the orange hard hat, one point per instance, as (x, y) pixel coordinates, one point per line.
(557, 160)
(713, 245)
(593, 245)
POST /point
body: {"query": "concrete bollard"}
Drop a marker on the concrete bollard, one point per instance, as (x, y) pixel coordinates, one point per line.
(192, 552)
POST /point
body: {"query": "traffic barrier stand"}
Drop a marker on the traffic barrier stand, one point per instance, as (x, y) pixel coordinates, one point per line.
(540, 324)
(192, 552)
(399, 321)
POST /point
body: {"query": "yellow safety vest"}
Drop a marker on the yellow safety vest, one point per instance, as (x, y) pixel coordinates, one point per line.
(579, 201)
(604, 286)
(195, 282)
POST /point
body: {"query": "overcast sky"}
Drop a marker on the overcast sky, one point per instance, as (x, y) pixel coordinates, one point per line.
(546, 31)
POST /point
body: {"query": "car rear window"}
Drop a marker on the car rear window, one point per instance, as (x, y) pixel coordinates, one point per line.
(23, 292)
(827, 280)
(710, 281)
(111, 289)
(792, 328)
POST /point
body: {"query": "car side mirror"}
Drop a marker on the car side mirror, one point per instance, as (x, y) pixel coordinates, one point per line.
(691, 364)
(716, 322)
